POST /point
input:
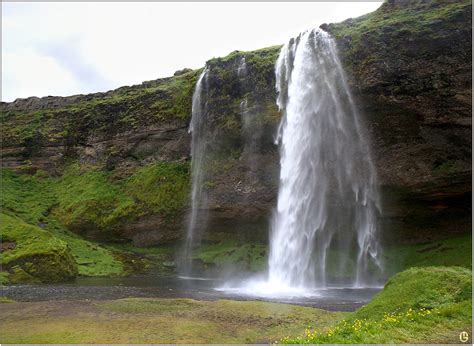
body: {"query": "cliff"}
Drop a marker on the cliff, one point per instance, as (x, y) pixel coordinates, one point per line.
(121, 158)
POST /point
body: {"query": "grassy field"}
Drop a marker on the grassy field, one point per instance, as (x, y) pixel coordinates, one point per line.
(139, 320)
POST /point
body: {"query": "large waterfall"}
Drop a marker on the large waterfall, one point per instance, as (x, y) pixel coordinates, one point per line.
(324, 229)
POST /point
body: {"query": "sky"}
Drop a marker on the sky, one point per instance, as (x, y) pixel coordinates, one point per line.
(64, 49)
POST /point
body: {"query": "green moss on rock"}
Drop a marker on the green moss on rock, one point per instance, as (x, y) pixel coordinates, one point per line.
(96, 203)
(244, 256)
(160, 187)
(67, 120)
(37, 255)
(454, 251)
(27, 202)
(177, 96)
(92, 200)
(87, 202)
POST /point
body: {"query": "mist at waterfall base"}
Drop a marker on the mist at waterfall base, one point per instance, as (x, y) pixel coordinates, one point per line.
(323, 231)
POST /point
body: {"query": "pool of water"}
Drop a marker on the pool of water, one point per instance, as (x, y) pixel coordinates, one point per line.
(335, 298)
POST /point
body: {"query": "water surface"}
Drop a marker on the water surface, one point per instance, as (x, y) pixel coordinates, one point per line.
(340, 299)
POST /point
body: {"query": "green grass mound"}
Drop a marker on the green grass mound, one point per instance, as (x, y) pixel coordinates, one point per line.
(32, 254)
(26, 203)
(419, 305)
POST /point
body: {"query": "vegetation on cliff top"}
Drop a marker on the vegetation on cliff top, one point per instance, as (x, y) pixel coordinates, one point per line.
(419, 305)
(365, 39)
(71, 120)
(229, 88)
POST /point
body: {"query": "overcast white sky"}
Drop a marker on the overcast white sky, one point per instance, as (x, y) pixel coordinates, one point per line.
(72, 48)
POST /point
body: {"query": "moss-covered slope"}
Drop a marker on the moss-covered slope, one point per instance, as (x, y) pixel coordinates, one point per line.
(420, 305)
(32, 254)
(40, 211)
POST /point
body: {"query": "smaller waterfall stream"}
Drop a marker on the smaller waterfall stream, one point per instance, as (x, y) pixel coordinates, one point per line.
(198, 152)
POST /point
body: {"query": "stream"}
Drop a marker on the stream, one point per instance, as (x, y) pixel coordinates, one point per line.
(146, 286)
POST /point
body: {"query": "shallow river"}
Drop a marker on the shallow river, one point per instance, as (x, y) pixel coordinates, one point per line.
(340, 299)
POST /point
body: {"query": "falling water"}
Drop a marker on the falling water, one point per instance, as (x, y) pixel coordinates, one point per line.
(242, 69)
(324, 229)
(323, 232)
(198, 151)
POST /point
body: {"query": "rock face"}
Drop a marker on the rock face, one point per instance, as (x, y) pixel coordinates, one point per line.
(409, 65)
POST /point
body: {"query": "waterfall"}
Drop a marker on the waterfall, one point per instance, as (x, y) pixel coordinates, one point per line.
(197, 128)
(242, 69)
(324, 228)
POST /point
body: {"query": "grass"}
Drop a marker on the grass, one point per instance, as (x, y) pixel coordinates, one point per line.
(454, 251)
(90, 201)
(244, 256)
(139, 320)
(419, 305)
(37, 255)
(161, 187)
(3, 278)
(93, 200)
(26, 202)
(86, 200)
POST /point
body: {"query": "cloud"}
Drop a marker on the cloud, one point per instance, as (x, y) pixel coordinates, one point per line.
(69, 56)
(27, 75)
(89, 47)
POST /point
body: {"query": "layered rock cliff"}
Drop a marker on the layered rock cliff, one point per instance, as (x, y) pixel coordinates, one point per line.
(408, 63)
